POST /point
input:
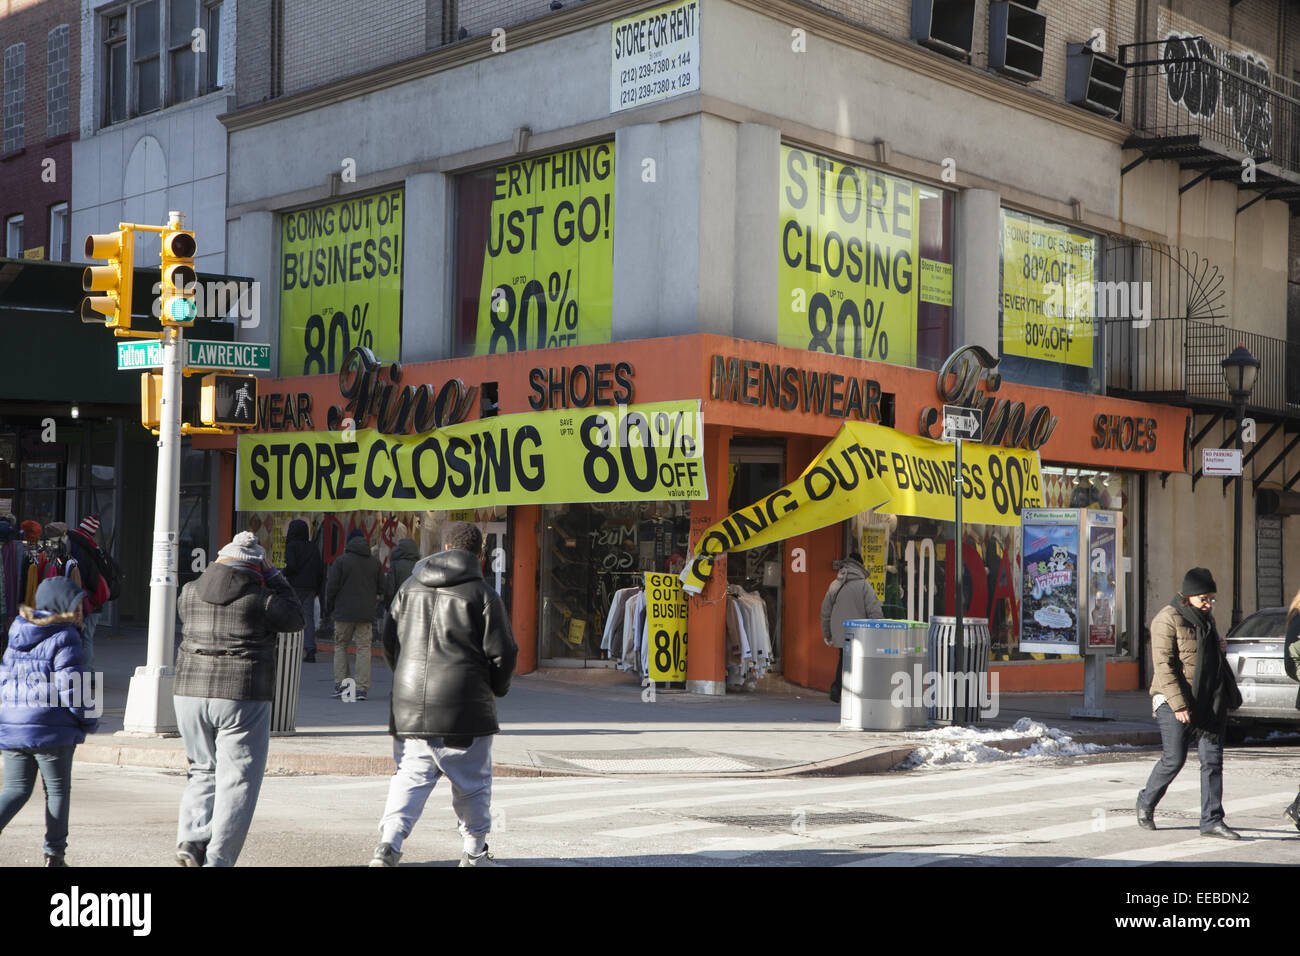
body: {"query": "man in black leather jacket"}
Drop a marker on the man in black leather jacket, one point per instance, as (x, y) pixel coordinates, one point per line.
(449, 644)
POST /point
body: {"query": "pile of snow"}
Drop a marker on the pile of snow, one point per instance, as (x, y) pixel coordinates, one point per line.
(949, 745)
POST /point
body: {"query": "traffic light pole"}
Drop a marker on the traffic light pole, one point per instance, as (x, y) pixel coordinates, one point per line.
(149, 707)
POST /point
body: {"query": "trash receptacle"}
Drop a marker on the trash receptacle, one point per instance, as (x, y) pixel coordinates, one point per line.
(288, 682)
(959, 683)
(872, 696)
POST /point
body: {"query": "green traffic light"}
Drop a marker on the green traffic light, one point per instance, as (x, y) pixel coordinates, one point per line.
(181, 310)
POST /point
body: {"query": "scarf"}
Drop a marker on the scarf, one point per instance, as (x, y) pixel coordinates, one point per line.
(1216, 691)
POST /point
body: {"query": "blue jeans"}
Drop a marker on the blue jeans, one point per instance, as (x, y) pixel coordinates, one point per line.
(55, 764)
(88, 626)
(226, 742)
(1175, 738)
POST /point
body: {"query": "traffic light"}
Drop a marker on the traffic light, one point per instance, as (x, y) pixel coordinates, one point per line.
(178, 277)
(111, 305)
(229, 401)
(150, 399)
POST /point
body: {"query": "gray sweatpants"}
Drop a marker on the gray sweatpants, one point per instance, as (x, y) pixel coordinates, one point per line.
(225, 743)
(421, 761)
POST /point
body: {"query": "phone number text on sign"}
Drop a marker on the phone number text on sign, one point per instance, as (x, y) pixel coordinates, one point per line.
(655, 55)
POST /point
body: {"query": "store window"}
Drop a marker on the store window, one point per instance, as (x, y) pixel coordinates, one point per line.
(591, 552)
(1050, 304)
(865, 262)
(535, 253)
(908, 561)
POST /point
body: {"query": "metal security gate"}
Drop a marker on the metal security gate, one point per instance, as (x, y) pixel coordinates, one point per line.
(1268, 562)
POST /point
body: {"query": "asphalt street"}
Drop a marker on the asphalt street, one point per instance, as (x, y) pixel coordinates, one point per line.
(1039, 811)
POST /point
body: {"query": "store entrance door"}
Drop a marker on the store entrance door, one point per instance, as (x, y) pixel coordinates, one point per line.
(758, 469)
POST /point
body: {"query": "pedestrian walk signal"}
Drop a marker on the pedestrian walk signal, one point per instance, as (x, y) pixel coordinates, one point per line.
(228, 401)
(110, 285)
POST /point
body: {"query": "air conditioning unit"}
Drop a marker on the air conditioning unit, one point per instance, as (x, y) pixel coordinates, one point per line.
(1094, 80)
(1017, 35)
(945, 26)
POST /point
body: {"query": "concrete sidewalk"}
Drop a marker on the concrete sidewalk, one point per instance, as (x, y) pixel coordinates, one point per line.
(568, 722)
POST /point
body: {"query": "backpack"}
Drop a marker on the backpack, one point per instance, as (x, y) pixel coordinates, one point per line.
(110, 572)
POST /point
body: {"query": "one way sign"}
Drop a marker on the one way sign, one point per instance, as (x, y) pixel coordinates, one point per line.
(962, 422)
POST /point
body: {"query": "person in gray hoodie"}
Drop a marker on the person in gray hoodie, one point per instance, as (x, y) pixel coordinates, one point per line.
(849, 598)
(401, 560)
(356, 582)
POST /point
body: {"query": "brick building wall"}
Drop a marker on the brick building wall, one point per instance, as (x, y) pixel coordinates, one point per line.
(36, 170)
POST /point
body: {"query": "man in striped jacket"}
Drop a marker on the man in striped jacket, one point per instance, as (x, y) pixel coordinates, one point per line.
(225, 676)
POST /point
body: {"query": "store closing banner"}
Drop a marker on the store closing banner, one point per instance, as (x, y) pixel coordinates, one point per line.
(867, 467)
(650, 452)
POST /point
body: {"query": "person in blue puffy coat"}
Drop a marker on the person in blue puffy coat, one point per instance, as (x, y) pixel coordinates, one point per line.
(45, 708)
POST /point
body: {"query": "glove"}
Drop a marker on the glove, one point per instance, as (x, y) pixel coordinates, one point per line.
(828, 641)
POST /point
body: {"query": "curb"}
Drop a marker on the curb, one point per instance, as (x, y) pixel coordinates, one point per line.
(875, 760)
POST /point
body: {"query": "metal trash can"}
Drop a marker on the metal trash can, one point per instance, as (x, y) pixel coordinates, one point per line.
(288, 682)
(959, 684)
(874, 696)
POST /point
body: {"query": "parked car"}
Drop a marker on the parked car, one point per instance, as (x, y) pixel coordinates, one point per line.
(1255, 656)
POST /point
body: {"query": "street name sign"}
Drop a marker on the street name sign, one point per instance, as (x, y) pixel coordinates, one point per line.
(199, 354)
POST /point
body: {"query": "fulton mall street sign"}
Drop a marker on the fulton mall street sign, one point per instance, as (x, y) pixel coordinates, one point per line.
(199, 354)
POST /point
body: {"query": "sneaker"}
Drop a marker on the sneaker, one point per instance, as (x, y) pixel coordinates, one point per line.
(53, 859)
(338, 690)
(385, 855)
(1145, 817)
(361, 695)
(1293, 812)
(190, 854)
(482, 859)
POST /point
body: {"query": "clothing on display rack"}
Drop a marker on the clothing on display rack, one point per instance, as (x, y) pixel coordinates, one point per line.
(749, 642)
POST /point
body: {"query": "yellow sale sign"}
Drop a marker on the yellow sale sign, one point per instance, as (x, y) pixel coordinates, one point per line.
(548, 273)
(849, 259)
(665, 603)
(1047, 291)
(650, 452)
(340, 282)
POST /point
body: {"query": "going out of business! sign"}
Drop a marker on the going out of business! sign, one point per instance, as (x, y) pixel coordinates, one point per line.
(340, 282)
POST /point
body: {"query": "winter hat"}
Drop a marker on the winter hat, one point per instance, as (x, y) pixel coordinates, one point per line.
(243, 547)
(356, 533)
(1198, 581)
(32, 531)
(90, 524)
(58, 595)
(55, 530)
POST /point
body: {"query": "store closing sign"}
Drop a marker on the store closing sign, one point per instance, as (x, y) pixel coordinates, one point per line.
(666, 624)
(1047, 291)
(650, 452)
(548, 272)
(340, 282)
(849, 268)
(868, 467)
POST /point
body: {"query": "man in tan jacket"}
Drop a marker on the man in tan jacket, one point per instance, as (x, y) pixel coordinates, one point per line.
(1192, 690)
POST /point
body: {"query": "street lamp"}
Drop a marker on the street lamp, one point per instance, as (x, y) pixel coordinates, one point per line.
(1239, 369)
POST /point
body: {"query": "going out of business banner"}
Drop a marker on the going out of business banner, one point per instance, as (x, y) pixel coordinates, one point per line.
(1047, 291)
(340, 282)
(650, 452)
(548, 272)
(867, 467)
(850, 271)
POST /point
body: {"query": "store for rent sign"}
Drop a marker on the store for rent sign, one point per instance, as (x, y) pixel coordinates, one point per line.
(655, 55)
(849, 261)
(340, 282)
(651, 452)
(548, 271)
(1047, 291)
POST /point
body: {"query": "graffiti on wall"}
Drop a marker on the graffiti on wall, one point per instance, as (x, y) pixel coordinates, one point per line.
(1205, 79)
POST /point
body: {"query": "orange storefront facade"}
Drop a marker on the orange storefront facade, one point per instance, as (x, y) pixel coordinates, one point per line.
(767, 411)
